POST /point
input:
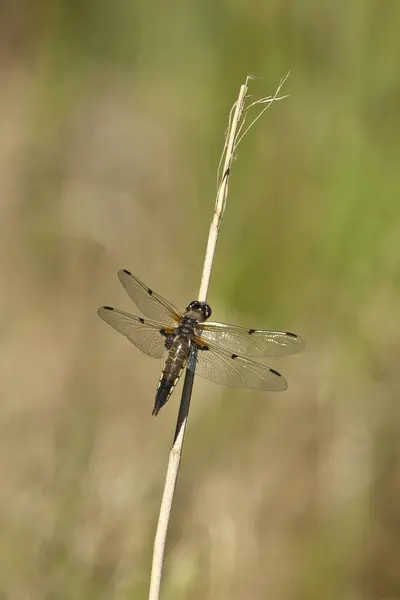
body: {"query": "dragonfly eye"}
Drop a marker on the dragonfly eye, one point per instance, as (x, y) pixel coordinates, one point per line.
(202, 307)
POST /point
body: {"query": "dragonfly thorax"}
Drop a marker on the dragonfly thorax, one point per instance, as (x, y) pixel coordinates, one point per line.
(186, 326)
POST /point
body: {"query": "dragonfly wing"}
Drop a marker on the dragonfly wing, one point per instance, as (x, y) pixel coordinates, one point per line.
(251, 342)
(149, 302)
(220, 366)
(149, 336)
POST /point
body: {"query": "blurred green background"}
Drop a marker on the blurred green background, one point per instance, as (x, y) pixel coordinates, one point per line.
(112, 123)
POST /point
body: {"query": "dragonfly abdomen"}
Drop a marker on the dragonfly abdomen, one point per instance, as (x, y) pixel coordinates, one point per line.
(174, 365)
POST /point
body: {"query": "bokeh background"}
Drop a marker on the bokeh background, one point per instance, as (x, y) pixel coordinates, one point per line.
(112, 119)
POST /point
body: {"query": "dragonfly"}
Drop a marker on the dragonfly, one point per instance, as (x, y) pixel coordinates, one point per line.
(213, 350)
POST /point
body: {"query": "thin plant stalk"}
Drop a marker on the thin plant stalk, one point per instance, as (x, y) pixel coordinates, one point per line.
(232, 140)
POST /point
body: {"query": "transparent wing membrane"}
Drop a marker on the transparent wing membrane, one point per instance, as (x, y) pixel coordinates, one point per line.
(149, 336)
(251, 342)
(149, 303)
(220, 366)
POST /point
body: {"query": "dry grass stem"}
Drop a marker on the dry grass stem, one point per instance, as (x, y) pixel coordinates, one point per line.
(232, 139)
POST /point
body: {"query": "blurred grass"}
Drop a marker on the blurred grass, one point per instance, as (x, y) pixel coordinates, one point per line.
(112, 120)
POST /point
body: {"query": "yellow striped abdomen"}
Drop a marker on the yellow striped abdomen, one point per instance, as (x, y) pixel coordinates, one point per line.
(174, 365)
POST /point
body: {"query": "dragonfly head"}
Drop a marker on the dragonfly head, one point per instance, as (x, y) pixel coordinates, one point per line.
(202, 310)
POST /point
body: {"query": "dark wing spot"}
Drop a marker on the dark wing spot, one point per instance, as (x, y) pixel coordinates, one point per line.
(141, 320)
(275, 372)
(234, 356)
(108, 308)
(291, 334)
(150, 291)
(127, 272)
(252, 331)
